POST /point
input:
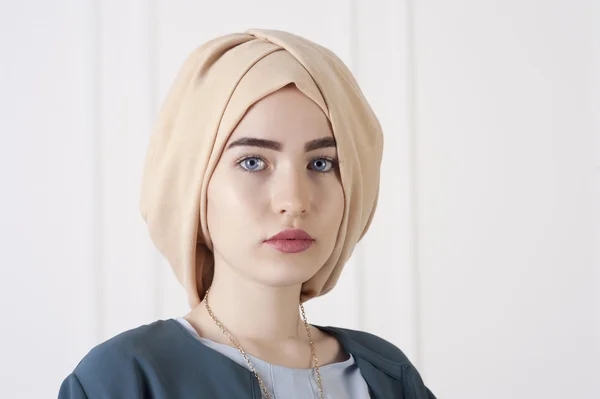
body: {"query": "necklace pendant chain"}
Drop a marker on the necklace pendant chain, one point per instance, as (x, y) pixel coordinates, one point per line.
(252, 368)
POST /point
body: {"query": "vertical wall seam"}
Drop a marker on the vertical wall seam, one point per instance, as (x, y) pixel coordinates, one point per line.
(96, 131)
(413, 184)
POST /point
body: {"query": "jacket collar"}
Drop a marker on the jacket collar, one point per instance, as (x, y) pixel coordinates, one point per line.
(380, 365)
(369, 353)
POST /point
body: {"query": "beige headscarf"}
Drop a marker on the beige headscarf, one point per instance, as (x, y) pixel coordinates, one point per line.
(215, 86)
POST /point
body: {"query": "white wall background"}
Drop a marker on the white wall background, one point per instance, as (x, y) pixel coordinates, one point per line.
(483, 264)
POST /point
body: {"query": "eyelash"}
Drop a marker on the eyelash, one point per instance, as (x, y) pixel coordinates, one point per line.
(334, 163)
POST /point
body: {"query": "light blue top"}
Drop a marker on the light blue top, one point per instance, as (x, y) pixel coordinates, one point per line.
(341, 380)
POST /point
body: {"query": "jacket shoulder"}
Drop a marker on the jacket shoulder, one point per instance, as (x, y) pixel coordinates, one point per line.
(127, 346)
(385, 356)
(363, 340)
(115, 367)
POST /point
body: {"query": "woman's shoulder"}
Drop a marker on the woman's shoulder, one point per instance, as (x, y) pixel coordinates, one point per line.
(131, 344)
(385, 356)
(125, 359)
(368, 344)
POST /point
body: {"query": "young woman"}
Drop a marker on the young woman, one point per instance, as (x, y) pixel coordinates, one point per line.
(262, 175)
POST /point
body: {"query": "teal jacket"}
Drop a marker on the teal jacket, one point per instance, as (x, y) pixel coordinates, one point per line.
(162, 361)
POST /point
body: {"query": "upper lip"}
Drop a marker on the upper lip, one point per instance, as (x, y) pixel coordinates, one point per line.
(291, 234)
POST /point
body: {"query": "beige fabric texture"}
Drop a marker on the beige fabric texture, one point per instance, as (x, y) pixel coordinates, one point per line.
(215, 86)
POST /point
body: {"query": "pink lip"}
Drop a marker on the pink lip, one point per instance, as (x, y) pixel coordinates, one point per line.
(291, 234)
(291, 241)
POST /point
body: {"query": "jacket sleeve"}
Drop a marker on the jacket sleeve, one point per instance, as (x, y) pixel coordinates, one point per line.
(413, 385)
(106, 372)
(71, 388)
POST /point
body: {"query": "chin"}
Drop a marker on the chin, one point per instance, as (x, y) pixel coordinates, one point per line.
(285, 273)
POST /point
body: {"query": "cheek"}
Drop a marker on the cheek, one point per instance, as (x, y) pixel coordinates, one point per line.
(331, 208)
(335, 196)
(232, 202)
(338, 204)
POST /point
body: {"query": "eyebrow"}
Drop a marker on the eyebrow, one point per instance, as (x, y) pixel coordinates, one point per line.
(324, 142)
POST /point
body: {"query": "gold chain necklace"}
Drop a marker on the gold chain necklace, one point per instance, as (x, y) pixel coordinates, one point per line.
(260, 381)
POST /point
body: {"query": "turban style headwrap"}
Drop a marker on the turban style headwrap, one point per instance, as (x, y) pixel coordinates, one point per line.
(214, 88)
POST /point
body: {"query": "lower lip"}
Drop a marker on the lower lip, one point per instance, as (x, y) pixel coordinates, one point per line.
(290, 246)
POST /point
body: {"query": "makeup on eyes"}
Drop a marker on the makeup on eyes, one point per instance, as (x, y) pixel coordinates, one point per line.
(334, 163)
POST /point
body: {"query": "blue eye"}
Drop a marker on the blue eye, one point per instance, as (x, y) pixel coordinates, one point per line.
(252, 164)
(322, 164)
(257, 164)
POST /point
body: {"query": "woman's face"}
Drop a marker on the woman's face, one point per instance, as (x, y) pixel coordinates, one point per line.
(278, 171)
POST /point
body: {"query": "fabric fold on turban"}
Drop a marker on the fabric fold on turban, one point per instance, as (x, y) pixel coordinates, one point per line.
(212, 91)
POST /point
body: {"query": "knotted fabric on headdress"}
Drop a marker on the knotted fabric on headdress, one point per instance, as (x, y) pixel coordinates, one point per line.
(214, 88)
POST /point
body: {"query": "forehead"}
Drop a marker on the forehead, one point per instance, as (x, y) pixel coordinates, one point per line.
(285, 115)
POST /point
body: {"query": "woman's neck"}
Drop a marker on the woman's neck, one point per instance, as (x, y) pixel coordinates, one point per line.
(264, 321)
(252, 312)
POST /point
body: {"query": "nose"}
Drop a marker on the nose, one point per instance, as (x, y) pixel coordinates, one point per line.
(291, 193)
